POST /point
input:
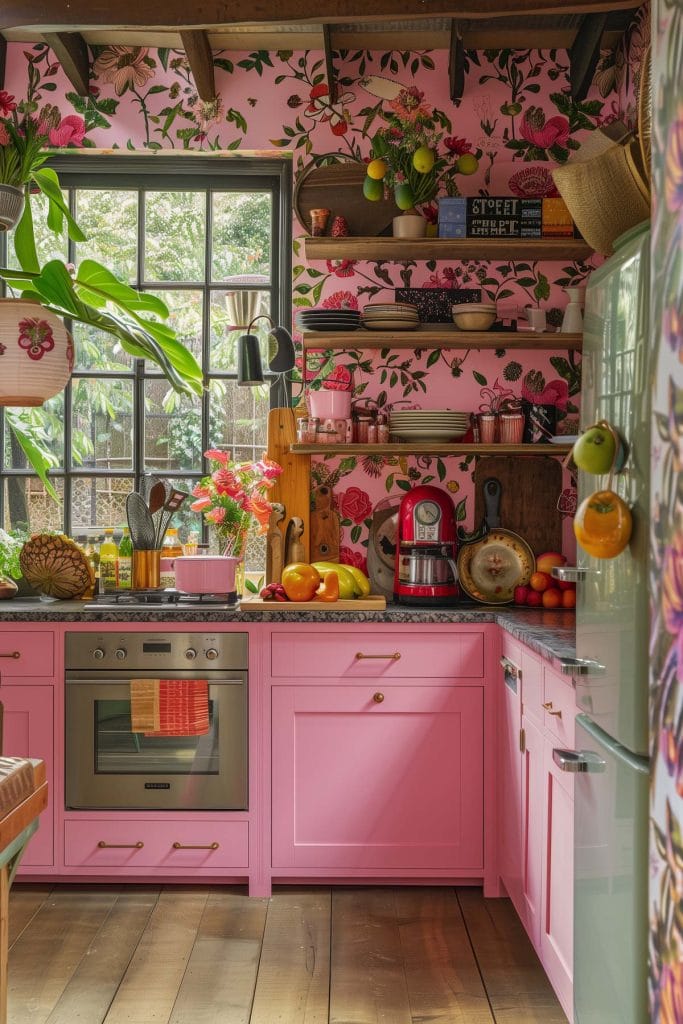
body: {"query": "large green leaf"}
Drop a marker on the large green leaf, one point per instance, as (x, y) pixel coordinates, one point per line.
(106, 286)
(25, 242)
(38, 457)
(47, 181)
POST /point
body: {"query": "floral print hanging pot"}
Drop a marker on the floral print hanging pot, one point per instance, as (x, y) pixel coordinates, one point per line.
(36, 353)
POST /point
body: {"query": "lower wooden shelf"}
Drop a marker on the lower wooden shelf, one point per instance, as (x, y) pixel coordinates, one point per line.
(441, 336)
(430, 448)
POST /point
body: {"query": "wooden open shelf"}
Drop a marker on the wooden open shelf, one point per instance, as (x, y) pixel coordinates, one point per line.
(430, 448)
(384, 247)
(441, 336)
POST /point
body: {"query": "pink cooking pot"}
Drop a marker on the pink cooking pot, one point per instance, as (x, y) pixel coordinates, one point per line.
(205, 574)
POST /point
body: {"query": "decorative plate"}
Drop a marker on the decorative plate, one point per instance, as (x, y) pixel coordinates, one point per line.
(57, 566)
(489, 570)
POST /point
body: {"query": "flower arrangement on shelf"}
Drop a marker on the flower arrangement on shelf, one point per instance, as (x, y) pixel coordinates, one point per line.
(405, 155)
(233, 499)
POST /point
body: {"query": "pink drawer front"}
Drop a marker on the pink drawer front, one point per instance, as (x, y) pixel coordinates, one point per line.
(391, 655)
(26, 654)
(82, 847)
(559, 704)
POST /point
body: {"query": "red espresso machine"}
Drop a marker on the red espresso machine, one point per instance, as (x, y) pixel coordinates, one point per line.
(426, 549)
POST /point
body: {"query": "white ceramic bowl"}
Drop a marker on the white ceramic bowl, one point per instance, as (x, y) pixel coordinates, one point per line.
(473, 319)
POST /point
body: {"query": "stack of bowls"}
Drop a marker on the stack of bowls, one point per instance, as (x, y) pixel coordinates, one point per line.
(429, 424)
(320, 319)
(474, 316)
(391, 316)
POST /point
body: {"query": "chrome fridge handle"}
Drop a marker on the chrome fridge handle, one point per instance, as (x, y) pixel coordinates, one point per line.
(570, 573)
(581, 667)
(578, 761)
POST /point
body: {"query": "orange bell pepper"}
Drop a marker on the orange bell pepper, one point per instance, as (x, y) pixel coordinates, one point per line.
(300, 581)
(329, 588)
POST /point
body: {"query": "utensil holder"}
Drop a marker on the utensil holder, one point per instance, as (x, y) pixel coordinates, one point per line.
(512, 427)
(488, 427)
(146, 569)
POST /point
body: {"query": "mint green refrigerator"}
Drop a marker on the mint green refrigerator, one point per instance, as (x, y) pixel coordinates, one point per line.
(611, 671)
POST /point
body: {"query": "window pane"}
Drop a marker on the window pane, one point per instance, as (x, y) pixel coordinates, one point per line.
(44, 427)
(174, 236)
(102, 416)
(241, 239)
(185, 317)
(98, 501)
(97, 350)
(230, 313)
(109, 217)
(238, 418)
(49, 246)
(173, 429)
(29, 507)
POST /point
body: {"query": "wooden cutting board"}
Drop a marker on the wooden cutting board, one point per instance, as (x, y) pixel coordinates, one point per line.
(324, 526)
(530, 487)
(293, 487)
(339, 188)
(373, 602)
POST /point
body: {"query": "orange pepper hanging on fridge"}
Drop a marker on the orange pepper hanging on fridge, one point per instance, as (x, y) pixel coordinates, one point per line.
(329, 588)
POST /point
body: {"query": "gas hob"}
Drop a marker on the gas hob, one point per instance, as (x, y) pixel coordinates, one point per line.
(165, 601)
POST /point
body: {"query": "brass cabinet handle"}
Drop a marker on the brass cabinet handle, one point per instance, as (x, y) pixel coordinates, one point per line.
(378, 697)
(120, 846)
(12, 654)
(189, 846)
(383, 657)
(549, 708)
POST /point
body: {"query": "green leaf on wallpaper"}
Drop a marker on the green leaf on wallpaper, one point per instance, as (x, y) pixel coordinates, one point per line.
(298, 270)
(480, 378)
(348, 464)
(427, 62)
(317, 291)
(542, 289)
(393, 379)
(404, 485)
(526, 282)
(300, 302)
(156, 88)
(314, 273)
(389, 482)
(223, 64)
(279, 142)
(461, 511)
(355, 533)
(162, 54)
(433, 356)
(441, 469)
(303, 289)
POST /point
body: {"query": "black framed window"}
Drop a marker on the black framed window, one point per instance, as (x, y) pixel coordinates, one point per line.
(212, 238)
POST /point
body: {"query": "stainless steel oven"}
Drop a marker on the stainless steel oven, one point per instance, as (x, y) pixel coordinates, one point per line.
(108, 765)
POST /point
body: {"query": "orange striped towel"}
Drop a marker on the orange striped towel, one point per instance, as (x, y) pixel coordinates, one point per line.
(144, 705)
(183, 708)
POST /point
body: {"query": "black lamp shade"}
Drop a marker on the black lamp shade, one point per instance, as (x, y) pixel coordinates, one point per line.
(249, 369)
(283, 358)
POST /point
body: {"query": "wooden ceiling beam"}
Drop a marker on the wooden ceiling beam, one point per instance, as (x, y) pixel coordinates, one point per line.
(71, 50)
(198, 52)
(55, 15)
(456, 64)
(584, 54)
(329, 64)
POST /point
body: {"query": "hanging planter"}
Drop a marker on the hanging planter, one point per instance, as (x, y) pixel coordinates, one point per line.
(36, 353)
(11, 206)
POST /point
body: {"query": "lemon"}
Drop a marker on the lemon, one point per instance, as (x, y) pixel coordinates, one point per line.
(467, 163)
(423, 159)
(373, 189)
(377, 169)
(403, 194)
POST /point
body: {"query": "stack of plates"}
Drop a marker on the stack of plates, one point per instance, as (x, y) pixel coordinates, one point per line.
(391, 316)
(429, 424)
(328, 319)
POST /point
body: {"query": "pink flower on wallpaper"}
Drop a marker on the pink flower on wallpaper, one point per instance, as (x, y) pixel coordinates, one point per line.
(673, 175)
(70, 132)
(457, 146)
(533, 182)
(124, 67)
(7, 103)
(410, 104)
(555, 393)
(342, 268)
(207, 112)
(347, 556)
(340, 300)
(541, 133)
(354, 504)
(339, 379)
(321, 109)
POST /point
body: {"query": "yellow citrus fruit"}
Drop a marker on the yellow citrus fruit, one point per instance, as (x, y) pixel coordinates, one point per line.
(373, 189)
(423, 159)
(467, 163)
(403, 194)
(376, 169)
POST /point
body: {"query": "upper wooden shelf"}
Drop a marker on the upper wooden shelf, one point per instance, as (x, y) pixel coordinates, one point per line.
(384, 247)
(440, 336)
(430, 448)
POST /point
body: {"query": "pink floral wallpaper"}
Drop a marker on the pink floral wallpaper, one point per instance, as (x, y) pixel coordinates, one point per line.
(515, 118)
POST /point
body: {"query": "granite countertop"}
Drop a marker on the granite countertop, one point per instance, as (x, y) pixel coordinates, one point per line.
(550, 633)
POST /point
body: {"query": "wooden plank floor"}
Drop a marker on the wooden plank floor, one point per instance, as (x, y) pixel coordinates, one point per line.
(313, 955)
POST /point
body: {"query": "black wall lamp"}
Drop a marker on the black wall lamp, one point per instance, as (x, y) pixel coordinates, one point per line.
(249, 368)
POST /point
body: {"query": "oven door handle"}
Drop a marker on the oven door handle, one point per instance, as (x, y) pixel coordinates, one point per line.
(115, 678)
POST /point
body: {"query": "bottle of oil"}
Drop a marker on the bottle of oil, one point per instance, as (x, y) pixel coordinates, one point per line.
(125, 566)
(170, 550)
(109, 554)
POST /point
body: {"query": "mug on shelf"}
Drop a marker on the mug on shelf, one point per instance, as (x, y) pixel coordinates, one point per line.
(488, 427)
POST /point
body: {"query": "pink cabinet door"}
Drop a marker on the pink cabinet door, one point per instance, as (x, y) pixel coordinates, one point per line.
(509, 788)
(532, 830)
(556, 950)
(387, 779)
(27, 711)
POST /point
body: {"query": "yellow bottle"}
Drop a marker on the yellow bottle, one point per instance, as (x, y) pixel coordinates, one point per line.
(109, 554)
(171, 547)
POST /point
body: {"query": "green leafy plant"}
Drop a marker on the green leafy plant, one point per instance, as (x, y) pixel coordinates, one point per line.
(10, 546)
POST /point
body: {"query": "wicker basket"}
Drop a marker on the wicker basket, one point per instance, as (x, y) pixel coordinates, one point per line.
(606, 195)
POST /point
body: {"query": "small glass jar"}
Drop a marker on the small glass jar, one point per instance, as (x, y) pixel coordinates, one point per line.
(362, 425)
(302, 430)
(372, 433)
(313, 428)
(319, 218)
(382, 430)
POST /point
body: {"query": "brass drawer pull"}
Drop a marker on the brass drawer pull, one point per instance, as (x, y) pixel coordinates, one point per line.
(549, 708)
(383, 657)
(189, 846)
(12, 654)
(120, 846)
(378, 697)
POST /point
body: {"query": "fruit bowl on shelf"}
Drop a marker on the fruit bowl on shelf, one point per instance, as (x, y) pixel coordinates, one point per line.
(474, 316)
